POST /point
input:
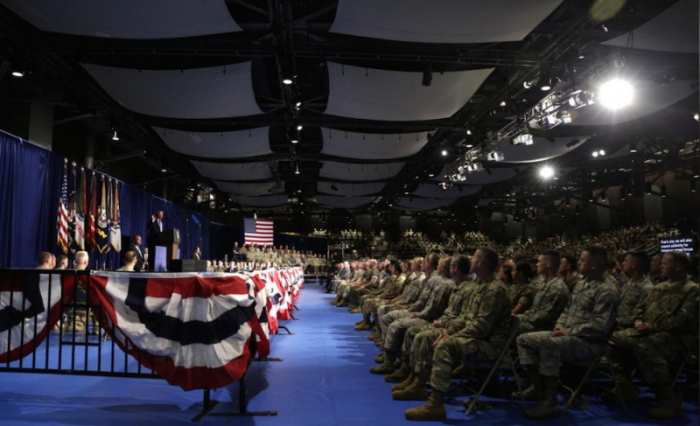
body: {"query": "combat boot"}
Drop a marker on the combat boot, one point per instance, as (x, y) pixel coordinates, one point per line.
(400, 375)
(355, 310)
(670, 404)
(431, 410)
(548, 408)
(416, 391)
(379, 359)
(387, 366)
(342, 304)
(625, 388)
(534, 391)
(363, 326)
(406, 383)
(374, 336)
(334, 301)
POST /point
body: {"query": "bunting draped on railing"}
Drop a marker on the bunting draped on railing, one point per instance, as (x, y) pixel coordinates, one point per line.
(194, 330)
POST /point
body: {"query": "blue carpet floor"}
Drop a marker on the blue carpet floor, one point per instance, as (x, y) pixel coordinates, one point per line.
(323, 380)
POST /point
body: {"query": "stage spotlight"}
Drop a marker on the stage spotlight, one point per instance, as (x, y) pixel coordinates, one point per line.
(444, 153)
(601, 152)
(295, 141)
(469, 132)
(528, 84)
(164, 170)
(296, 172)
(546, 172)
(696, 116)
(299, 127)
(693, 186)
(287, 80)
(616, 94)
(18, 73)
(115, 137)
(503, 103)
(595, 154)
(495, 156)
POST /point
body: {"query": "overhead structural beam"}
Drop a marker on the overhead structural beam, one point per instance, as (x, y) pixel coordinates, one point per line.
(123, 157)
(74, 118)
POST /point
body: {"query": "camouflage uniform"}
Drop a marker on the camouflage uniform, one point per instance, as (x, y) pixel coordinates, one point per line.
(630, 296)
(425, 289)
(391, 290)
(523, 294)
(671, 311)
(355, 293)
(480, 332)
(418, 343)
(436, 295)
(548, 304)
(588, 320)
(366, 277)
(571, 282)
(410, 295)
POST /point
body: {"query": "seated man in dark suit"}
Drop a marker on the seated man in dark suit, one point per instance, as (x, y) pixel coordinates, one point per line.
(197, 255)
(136, 248)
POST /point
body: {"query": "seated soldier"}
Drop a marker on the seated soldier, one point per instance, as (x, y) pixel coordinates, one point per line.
(520, 290)
(357, 299)
(480, 334)
(567, 270)
(411, 292)
(417, 350)
(365, 275)
(637, 288)
(438, 291)
(580, 332)
(367, 287)
(665, 326)
(393, 288)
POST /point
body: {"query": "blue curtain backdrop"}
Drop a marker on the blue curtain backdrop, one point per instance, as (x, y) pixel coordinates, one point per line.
(30, 187)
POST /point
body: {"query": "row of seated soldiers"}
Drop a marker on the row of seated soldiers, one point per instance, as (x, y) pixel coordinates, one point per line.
(283, 257)
(430, 315)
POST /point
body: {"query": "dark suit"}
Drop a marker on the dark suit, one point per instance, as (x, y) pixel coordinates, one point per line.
(139, 257)
(196, 256)
(152, 239)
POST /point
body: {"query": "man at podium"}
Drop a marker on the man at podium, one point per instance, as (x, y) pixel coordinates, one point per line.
(155, 227)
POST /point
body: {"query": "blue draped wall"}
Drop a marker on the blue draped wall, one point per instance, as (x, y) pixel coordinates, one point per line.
(30, 187)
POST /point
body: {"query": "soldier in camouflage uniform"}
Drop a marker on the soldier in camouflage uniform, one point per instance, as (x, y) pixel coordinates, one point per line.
(549, 302)
(363, 273)
(371, 288)
(391, 290)
(410, 295)
(665, 327)
(417, 350)
(370, 273)
(521, 291)
(479, 334)
(579, 334)
(356, 275)
(567, 270)
(439, 289)
(639, 285)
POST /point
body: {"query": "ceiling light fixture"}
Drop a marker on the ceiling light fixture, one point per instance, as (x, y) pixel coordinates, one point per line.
(444, 153)
(115, 137)
(616, 94)
(18, 73)
(297, 170)
(546, 172)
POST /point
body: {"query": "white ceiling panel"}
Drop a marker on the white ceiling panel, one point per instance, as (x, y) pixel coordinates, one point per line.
(372, 146)
(252, 189)
(350, 189)
(238, 144)
(373, 94)
(441, 21)
(268, 201)
(359, 172)
(433, 190)
(128, 19)
(190, 94)
(673, 30)
(239, 171)
(342, 202)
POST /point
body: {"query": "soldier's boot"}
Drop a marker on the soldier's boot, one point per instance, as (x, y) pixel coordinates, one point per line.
(376, 335)
(534, 391)
(378, 342)
(379, 359)
(364, 325)
(343, 303)
(387, 366)
(334, 301)
(406, 383)
(399, 375)
(548, 408)
(625, 388)
(670, 404)
(416, 391)
(355, 310)
(434, 409)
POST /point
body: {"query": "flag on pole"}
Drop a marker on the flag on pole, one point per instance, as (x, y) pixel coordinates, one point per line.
(258, 231)
(115, 231)
(62, 222)
(102, 230)
(79, 218)
(71, 210)
(92, 232)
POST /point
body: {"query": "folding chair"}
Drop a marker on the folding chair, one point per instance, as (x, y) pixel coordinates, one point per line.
(496, 365)
(592, 365)
(690, 357)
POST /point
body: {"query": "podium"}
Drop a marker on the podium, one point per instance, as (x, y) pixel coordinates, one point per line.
(167, 248)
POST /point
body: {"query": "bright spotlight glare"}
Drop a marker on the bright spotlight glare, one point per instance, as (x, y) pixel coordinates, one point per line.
(595, 153)
(696, 116)
(287, 81)
(444, 152)
(616, 94)
(546, 172)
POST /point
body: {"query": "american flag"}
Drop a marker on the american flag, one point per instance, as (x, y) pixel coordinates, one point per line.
(258, 231)
(62, 223)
